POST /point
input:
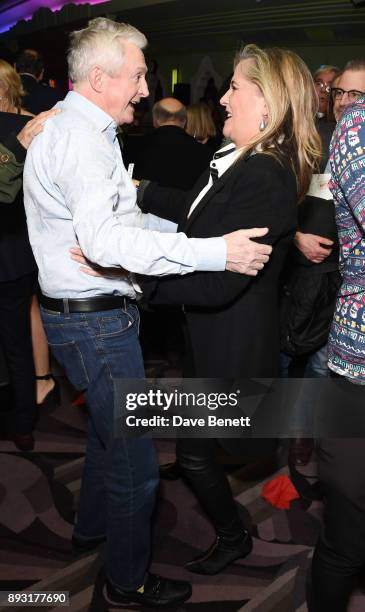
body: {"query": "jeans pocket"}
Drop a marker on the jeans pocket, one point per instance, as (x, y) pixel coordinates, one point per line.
(117, 324)
(135, 314)
(69, 356)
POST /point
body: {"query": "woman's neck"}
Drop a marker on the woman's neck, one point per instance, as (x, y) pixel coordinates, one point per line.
(7, 107)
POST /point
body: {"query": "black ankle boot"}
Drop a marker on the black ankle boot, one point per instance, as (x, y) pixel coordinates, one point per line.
(221, 553)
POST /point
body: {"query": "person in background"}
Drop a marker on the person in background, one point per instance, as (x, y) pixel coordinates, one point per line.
(323, 78)
(201, 126)
(172, 158)
(168, 154)
(38, 96)
(18, 270)
(12, 157)
(11, 100)
(349, 87)
(11, 91)
(311, 283)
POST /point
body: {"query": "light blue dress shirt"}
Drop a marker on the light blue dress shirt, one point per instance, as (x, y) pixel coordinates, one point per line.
(77, 190)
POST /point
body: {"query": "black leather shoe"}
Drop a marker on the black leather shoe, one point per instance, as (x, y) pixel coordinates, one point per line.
(221, 554)
(158, 593)
(80, 545)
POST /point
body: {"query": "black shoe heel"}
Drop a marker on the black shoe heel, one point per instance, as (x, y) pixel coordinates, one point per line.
(53, 397)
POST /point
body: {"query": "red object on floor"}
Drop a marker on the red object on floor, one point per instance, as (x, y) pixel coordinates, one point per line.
(279, 492)
(80, 400)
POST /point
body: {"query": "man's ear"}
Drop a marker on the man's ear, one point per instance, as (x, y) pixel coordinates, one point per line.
(96, 79)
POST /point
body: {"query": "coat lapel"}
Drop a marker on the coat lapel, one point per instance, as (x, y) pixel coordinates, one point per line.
(215, 188)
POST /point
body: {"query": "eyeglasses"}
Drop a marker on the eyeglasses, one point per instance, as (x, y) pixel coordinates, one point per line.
(352, 94)
(323, 86)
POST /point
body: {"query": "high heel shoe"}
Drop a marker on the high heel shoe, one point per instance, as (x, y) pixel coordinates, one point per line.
(53, 397)
(221, 553)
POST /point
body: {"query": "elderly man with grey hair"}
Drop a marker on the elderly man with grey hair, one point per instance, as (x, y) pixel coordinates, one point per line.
(77, 191)
(323, 77)
(168, 155)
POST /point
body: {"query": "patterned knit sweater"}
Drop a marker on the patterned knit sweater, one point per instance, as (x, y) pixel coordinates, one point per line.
(347, 159)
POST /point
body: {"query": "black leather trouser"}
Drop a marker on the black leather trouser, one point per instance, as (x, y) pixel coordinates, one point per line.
(339, 557)
(197, 460)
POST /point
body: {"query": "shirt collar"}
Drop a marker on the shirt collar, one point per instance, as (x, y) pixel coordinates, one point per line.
(224, 158)
(94, 113)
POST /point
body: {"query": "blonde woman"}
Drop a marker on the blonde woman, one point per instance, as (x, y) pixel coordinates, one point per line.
(233, 321)
(11, 91)
(21, 334)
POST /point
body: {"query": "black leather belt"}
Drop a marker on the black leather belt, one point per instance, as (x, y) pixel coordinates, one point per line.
(92, 304)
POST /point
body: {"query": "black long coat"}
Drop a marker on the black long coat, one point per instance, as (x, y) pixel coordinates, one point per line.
(168, 155)
(233, 319)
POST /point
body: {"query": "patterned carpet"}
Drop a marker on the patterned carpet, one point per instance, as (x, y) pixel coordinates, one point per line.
(38, 495)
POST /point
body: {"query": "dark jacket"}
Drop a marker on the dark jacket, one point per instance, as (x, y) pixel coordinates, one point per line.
(168, 156)
(233, 319)
(39, 97)
(16, 257)
(310, 289)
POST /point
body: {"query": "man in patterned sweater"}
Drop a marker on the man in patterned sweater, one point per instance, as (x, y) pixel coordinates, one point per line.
(339, 557)
(347, 336)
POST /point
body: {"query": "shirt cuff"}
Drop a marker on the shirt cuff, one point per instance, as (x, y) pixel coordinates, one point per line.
(211, 254)
(13, 144)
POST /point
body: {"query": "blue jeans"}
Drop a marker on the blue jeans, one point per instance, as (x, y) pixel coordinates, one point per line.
(316, 367)
(120, 476)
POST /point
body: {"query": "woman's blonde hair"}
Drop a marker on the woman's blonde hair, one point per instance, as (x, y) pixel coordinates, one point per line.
(288, 88)
(11, 87)
(199, 123)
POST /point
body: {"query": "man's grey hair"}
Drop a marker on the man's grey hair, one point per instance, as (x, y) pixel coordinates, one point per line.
(326, 68)
(101, 43)
(162, 115)
(355, 65)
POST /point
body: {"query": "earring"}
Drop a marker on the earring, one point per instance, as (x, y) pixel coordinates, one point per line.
(262, 125)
